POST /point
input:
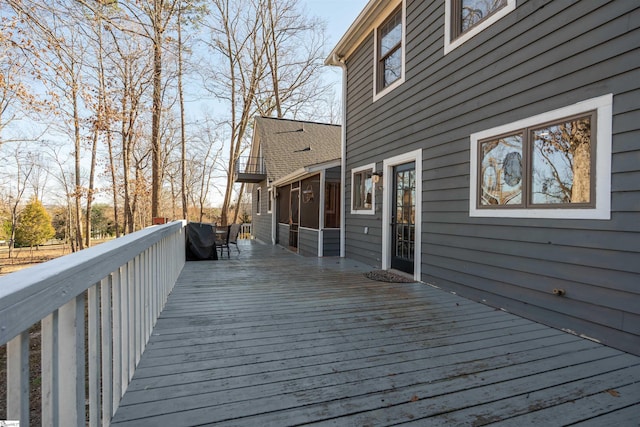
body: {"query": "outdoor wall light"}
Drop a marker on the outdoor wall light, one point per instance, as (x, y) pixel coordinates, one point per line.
(375, 177)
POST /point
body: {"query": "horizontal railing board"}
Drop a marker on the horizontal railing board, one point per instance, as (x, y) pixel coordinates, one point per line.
(29, 295)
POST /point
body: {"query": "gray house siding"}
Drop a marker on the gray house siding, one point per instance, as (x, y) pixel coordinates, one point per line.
(331, 242)
(308, 242)
(542, 56)
(261, 223)
(283, 235)
(333, 174)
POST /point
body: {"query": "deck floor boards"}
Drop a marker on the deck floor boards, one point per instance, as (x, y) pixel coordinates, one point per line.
(271, 338)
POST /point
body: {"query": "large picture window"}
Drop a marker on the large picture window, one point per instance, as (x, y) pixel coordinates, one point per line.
(553, 165)
(389, 53)
(546, 166)
(362, 194)
(466, 18)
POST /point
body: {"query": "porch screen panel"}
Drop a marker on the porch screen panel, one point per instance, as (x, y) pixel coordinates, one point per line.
(332, 205)
(310, 202)
(283, 195)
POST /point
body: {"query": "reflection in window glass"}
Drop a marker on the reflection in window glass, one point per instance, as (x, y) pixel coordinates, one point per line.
(561, 163)
(363, 190)
(392, 67)
(474, 11)
(501, 171)
(389, 51)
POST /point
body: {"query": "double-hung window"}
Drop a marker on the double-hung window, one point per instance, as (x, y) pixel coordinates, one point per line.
(466, 18)
(362, 193)
(554, 165)
(389, 53)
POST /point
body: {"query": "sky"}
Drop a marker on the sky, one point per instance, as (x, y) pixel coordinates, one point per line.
(339, 15)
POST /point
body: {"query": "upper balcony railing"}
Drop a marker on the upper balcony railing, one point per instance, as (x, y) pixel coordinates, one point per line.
(119, 288)
(250, 170)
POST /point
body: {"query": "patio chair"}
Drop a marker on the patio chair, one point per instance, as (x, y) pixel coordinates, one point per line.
(234, 230)
(229, 238)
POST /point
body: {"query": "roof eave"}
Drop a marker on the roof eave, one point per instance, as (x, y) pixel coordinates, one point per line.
(307, 170)
(359, 29)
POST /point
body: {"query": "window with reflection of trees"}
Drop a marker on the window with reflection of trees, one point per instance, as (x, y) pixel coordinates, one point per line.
(390, 50)
(363, 190)
(551, 165)
(466, 14)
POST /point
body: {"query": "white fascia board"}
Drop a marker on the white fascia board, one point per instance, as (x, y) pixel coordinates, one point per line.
(307, 170)
(370, 17)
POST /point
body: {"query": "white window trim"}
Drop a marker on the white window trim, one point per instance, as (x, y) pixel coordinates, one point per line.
(259, 194)
(371, 211)
(604, 107)
(450, 45)
(379, 94)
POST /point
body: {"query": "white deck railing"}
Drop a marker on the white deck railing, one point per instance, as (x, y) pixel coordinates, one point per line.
(121, 287)
(245, 232)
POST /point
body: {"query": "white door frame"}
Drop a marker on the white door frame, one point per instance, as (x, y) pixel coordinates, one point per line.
(387, 204)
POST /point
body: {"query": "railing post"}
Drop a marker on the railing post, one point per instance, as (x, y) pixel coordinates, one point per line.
(131, 327)
(117, 339)
(94, 356)
(71, 365)
(49, 364)
(18, 378)
(107, 338)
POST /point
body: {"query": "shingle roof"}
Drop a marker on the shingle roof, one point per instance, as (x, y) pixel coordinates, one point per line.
(289, 145)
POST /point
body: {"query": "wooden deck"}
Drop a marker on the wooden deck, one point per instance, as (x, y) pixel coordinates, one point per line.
(271, 338)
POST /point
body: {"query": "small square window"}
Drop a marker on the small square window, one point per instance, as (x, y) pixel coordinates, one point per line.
(363, 194)
(554, 165)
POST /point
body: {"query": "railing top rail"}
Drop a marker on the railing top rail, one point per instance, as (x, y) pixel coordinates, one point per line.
(250, 164)
(29, 295)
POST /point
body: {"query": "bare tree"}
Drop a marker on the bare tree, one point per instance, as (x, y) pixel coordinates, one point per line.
(58, 24)
(268, 60)
(235, 41)
(22, 169)
(154, 17)
(294, 55)
(20, 66)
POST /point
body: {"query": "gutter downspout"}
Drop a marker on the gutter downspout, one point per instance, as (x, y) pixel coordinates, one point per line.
(336, 60)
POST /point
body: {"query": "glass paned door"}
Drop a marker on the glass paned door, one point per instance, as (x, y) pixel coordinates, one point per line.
(403, 217)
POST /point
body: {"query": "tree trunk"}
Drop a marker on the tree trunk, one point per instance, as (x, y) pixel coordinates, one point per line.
(78, 180)
(581, 189)
(156, 179)
(183, 142)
